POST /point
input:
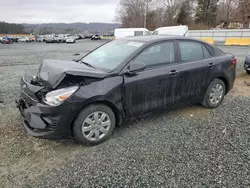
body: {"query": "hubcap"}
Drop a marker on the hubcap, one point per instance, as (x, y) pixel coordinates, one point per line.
(96, 126)
(216, 94)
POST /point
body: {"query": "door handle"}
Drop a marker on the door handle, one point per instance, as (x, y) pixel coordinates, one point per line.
(173, 72)
(211, 65)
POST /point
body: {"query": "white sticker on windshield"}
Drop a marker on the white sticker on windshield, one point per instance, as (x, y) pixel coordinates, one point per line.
(136, 44)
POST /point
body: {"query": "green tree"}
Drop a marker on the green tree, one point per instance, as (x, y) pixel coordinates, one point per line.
(7, 28)
(206, 12)
(183, 17)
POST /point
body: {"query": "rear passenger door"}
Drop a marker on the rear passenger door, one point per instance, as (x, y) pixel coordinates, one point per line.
(195, 65)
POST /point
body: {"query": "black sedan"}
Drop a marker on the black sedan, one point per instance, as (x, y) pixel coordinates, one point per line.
(124, 78)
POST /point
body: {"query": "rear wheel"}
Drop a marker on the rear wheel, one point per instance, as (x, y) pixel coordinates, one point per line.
(215, 94)
(94, 125)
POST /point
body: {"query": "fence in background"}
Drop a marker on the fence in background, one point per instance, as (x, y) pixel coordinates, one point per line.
(228, 37)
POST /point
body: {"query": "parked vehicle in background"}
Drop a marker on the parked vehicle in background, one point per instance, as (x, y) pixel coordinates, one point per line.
(14, 39)
(70, 39)
(1, 40)
(124, 78)
(60, 39)
(96, 37)
(77, 37)
(80, 36)
(32, 38)
(44, 38)
(23, 39)
(7, 40)
(50, 39)
(129, 32)
(88, 36)
(172, 30)
(247, 64)
(40, 39)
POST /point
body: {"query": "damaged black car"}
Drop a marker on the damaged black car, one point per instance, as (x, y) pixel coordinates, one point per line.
(87, 98)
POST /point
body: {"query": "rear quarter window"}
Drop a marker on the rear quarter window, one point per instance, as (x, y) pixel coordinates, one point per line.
(218, 52)
(206, 52)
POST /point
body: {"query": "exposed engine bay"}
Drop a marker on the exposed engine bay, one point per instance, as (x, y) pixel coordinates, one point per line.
(55, 74)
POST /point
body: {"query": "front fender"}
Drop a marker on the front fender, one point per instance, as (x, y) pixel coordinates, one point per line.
(108, 91)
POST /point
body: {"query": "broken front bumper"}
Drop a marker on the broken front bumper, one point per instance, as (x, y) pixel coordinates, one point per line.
(41, 120)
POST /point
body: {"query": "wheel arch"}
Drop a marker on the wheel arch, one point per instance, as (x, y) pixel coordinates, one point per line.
(222, 78)
(119, 115)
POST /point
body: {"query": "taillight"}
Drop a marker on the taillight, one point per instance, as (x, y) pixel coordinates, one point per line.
(234, 61)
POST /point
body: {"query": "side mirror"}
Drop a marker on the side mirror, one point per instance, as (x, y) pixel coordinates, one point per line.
(136, 67)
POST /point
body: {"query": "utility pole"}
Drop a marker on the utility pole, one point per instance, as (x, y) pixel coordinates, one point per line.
(146, 12)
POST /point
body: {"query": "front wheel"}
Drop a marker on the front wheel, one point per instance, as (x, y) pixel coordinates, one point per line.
(248, 72)
(94, 125)
(215, 94)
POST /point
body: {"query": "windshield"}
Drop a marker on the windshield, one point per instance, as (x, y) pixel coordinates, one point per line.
(112, 54)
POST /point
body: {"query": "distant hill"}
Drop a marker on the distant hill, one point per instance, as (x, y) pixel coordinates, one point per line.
(77, 27)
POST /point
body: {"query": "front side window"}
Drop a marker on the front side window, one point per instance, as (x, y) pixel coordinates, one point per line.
(157, 55)
(112, 54)
(191, 51)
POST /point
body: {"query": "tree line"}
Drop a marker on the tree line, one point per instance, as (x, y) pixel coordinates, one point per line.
(197, 14)
(11, 28)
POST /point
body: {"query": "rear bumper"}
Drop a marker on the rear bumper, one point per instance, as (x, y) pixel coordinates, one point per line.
(41, 120)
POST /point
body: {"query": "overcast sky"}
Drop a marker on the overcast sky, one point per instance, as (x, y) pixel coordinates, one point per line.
(68, 11)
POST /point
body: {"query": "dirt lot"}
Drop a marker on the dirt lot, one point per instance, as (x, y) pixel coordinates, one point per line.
(189, 147)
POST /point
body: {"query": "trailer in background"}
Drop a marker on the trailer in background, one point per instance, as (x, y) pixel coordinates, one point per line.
(130, 32)
(172, 30)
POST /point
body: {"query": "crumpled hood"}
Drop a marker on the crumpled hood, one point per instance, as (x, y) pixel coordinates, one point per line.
(52, 72)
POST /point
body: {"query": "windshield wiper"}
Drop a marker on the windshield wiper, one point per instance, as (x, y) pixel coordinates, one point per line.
(89, 65)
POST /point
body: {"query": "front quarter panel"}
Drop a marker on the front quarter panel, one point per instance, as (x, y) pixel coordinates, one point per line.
(108, 90)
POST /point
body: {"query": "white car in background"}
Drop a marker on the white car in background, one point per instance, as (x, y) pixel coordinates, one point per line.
(59, 39)
(23, 39)
(70, 39)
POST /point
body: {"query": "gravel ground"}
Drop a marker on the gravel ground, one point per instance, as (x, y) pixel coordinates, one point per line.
(189, 147)
(167, 150)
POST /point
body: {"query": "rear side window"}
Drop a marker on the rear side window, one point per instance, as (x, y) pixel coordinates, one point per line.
(191, 51)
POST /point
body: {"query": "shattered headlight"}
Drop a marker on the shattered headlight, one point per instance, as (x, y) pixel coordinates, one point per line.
(55, 98)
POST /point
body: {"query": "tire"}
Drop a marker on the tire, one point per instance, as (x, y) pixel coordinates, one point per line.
(248, 72)
(88, 137)
(215, 94)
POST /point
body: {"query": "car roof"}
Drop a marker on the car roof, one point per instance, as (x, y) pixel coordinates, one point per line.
(157, 38)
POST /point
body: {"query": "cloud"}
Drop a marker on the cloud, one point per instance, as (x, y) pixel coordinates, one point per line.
(68, 11)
